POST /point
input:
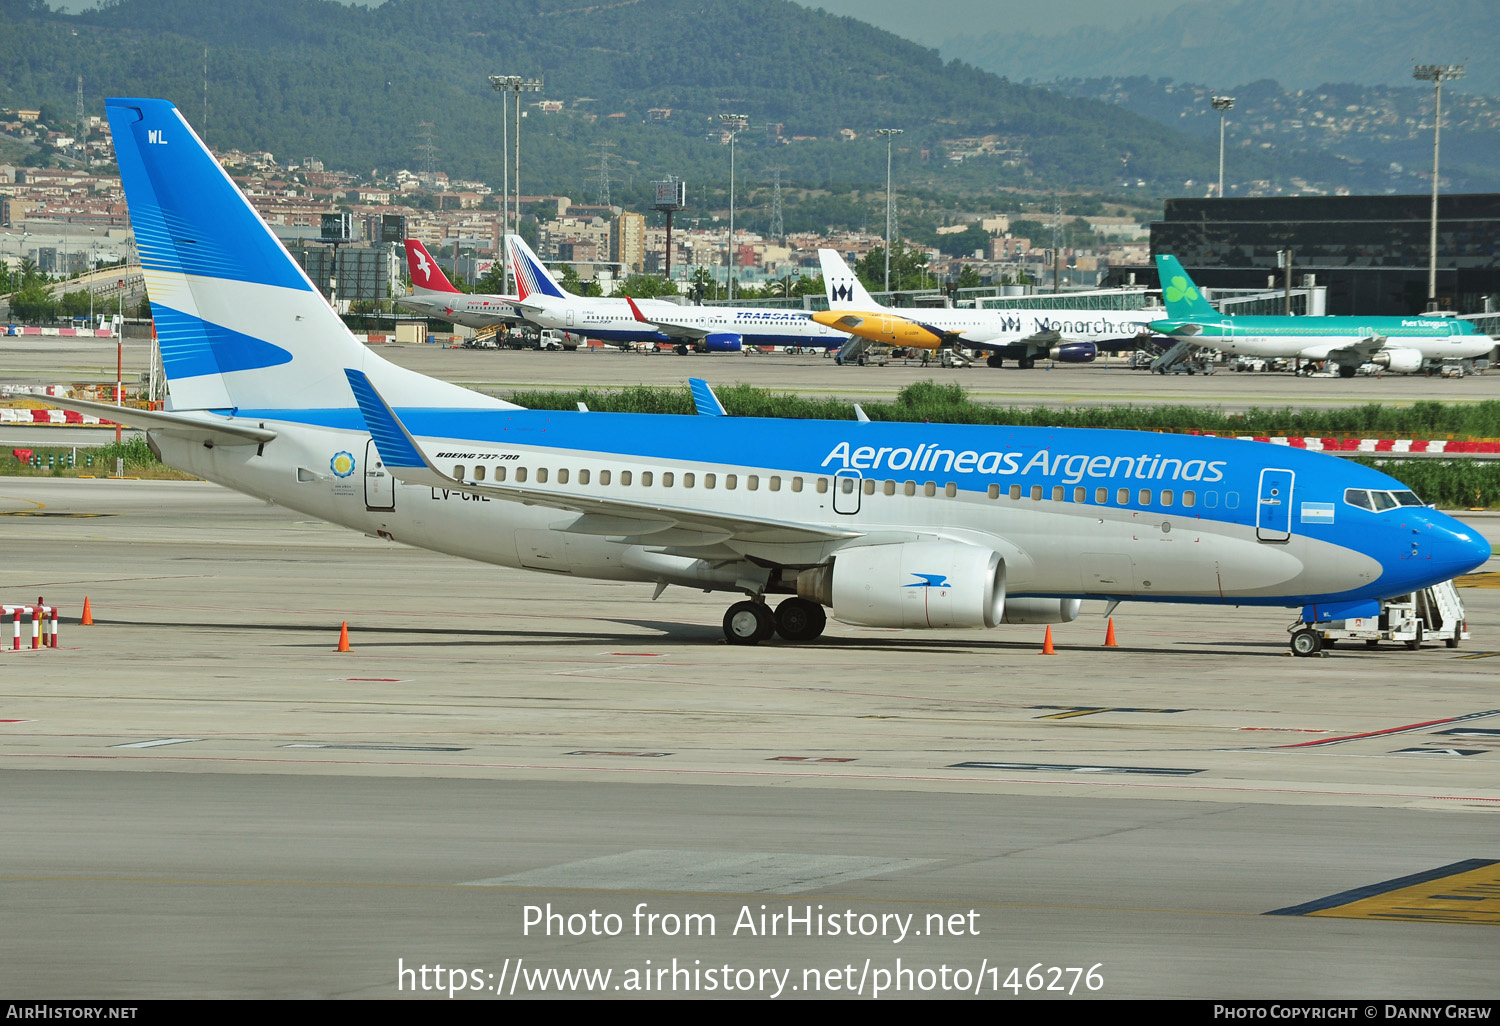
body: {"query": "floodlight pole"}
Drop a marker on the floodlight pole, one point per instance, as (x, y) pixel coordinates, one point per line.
(890, 134)
(735, 123)
(518, 85)
(1222, 104)
(1435, 73)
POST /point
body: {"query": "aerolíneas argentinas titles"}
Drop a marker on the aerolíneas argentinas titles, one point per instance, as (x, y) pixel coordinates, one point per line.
(886, 524)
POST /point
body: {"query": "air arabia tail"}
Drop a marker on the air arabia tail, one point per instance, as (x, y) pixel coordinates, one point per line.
(240, 325)
(426, 275)
(845, 290)
(1184, 301)
(531, 277)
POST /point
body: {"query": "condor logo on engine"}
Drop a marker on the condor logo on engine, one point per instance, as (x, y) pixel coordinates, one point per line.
(929, 581)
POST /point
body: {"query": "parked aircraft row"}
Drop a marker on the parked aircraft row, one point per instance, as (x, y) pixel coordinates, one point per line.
(900, 525)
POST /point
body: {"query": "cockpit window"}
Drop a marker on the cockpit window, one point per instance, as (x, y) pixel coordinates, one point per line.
(1407, 498)
(1383, 500)
(1358, 497)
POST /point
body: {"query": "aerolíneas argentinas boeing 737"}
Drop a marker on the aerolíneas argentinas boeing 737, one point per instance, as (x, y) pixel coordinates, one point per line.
(1398, 343)
(435, 296)
(889, 524)
(1068, 336)
(709, 329)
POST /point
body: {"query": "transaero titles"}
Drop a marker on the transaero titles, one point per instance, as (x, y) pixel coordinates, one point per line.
(1071, 468)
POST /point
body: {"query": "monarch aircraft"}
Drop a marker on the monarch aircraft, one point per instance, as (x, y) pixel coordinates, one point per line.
(707, 329)
(1401, 344)
(888, 524)
(435, 295)
(1067, 336)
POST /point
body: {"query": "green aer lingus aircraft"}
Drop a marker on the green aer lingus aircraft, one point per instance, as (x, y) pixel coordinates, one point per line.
(1401, 344)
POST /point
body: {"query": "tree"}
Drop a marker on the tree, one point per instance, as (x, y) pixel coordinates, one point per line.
(492, 282)
(908, 268)
(968, 277)
(32, 302)
(645, 286)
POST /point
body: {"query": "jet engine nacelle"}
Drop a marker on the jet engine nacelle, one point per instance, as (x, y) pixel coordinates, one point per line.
(1042, 610)
(1074, 352)
(1402, 361)
(722, 342)
(914, 584)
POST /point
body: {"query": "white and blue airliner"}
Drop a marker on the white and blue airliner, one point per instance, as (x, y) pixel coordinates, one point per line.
(884, 524)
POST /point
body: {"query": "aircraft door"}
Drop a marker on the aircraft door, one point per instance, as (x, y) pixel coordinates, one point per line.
(1273, 513)
(380, 487)
(846, 489)
(570, 316)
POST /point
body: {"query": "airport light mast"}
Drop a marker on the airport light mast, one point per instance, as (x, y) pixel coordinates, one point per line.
(1436, 74)
(518, 85)
(890, 134)
(734, 123)
(1222, 104)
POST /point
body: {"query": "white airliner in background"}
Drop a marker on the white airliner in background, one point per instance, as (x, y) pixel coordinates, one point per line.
(711, 329)
(898, 525)
(435, 296)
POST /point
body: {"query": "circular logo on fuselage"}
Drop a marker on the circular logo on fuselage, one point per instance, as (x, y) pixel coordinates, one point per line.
(342, 464)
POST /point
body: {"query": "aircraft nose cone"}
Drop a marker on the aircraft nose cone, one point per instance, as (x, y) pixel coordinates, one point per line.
(1452, 547)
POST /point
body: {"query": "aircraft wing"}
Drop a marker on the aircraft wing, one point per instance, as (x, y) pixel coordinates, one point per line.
(210, 428)
(644, 522)
(1361, 349)
(669, 326)
(998, 339)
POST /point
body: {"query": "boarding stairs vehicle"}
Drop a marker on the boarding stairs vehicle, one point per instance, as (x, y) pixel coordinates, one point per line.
(863, 351)
(1181, 353)
(1432, 614)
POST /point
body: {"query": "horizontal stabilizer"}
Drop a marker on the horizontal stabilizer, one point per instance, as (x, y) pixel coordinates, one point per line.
(202, 426)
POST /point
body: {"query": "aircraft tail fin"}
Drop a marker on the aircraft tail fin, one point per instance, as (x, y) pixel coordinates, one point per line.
(1184, 301)
(844, 289)
(426, 275)
(531, 276)
(240, 324)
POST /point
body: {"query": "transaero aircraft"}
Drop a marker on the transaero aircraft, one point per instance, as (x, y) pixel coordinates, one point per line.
(885, 524)
(1067, 336)
(1401, 344)
(707, 329)
(435, 295)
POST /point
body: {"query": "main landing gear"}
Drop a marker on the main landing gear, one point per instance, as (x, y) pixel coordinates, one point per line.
(751, 622)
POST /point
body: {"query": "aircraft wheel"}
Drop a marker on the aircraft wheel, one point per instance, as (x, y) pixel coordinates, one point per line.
(1307, 642)
(748, 623)
(682, 350)
(1451, 642)
(1345, 371)
(1416, 643)
(1372, 643)
(994, 360)
(1026, 362)
(800, 619)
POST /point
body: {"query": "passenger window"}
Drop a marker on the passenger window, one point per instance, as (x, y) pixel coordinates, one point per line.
(731, 481)
(822, 485)
(603, 476)
(752, 482)
(541, 475)
(667, 478)
(458, 471)
(1057, 493)
(994, 491)
(910, 488)
(1358, 497)
(796, 484)
(1145, 497)
(1101, 496)
(1189, 499)
(625, 477)
(1166, 496)
(890, 488)
(1231, 500)
(583, 475)
(1080, 494)
(709, 480)
(1383, 500)
(562, 476)
(646, 478)
(775, 484)
(929, 489)
(479, 472)
(1015, 491)
(688, 479)
(1036, 493)
(1210, 500)
(869, 486)
(950, 489)
(1122, 496)
(521, 475)
(500, 475)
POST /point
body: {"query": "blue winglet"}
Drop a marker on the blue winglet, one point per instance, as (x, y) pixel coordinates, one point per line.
(703, 397)
(396, 446)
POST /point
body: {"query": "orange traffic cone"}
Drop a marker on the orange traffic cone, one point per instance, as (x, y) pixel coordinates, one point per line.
(1109, 635)
(88, 616)
(1047, 642)
(343, 637)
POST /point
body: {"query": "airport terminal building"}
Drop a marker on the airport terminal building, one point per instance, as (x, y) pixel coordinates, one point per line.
(1370, 251)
